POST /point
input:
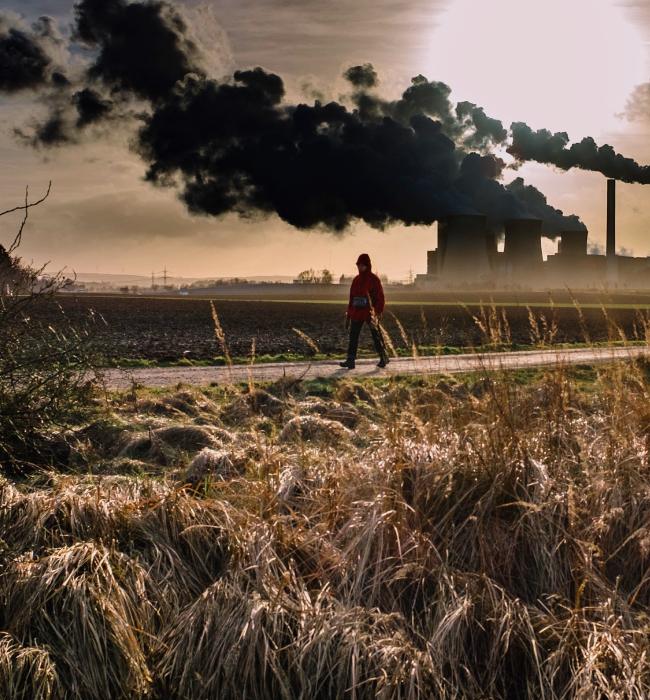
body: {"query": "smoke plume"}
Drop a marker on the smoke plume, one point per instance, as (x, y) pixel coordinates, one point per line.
(552, 149)
(238, 145)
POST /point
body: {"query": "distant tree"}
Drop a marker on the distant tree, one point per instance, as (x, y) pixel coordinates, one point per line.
(306, 277)
(125, 289)
(313, 277)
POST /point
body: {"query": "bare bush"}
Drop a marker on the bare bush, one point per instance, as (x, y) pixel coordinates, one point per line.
(44, 365)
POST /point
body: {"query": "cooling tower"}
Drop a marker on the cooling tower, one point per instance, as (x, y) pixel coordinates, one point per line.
(573, 243)
(523, 247)
(432, 262)
(463, 248)
(492, 250)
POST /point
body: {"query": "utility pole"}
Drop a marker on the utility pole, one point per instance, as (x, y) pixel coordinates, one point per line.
(153, 281)
(165, 277)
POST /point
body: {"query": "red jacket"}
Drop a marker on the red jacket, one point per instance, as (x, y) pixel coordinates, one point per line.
(365, 286)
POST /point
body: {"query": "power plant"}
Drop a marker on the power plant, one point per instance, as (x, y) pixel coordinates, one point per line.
(468, 254)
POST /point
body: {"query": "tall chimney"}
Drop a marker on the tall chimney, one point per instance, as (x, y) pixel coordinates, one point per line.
(611, 218)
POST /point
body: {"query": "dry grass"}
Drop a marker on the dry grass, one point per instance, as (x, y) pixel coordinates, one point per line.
(26, 672)
(87, 607)
(314, 429)
(422, 539)
(219, 334)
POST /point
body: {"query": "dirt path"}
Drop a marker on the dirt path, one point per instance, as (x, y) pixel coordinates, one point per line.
(444, 364)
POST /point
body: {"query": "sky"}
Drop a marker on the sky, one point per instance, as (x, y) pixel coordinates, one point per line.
(566, 66)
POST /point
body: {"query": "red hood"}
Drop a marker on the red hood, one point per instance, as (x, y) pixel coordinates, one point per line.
(364, 259)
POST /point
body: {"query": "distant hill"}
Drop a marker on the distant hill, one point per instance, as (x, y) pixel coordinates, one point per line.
(145, 281)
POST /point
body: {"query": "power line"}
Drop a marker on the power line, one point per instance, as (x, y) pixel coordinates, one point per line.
(165, 273)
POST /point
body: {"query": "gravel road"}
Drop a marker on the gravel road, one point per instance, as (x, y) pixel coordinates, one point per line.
(443, 364)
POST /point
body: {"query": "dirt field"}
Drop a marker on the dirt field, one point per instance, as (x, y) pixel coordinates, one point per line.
(167, 329)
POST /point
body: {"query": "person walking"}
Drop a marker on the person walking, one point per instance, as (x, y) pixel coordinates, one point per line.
(365, 307)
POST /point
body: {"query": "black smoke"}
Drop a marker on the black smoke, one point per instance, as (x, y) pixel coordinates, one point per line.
(385, 161)
(466, 123)
(25, 62)
(430, 98)
(237, 147)
(554, 221)
(364, 76)
(240, 146)
(482, 132)
(53, 131)
(142, 47)
(480, 181)
(91, 107)
(139, 51)
(546, 147)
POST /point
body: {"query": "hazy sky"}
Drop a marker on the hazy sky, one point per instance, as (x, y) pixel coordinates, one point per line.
(569, 66)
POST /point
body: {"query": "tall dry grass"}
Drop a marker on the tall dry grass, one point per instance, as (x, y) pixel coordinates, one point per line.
(486, 538)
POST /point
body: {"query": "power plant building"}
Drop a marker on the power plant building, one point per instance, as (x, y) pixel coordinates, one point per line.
(467, 254)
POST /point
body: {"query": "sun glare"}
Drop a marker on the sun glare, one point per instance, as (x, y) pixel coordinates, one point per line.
(566, 65)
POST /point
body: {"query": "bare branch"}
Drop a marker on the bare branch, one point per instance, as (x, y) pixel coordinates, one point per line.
(31, 204)
(26, 207)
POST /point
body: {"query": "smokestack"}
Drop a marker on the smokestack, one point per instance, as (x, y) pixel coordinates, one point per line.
(463, 247)
(611, 218)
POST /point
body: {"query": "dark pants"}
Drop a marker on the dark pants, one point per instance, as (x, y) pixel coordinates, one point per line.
(355, 332)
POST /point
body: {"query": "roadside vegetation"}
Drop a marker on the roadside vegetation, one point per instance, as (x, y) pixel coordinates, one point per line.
(46, 364)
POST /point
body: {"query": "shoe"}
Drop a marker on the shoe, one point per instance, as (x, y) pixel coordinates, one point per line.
(383, 362)
(347, 364)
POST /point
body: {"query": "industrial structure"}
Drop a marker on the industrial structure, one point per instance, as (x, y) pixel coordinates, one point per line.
(468, 255)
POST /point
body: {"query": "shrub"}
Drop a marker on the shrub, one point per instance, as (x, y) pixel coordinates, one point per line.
(45, 366)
